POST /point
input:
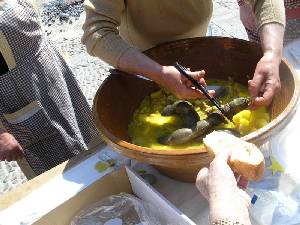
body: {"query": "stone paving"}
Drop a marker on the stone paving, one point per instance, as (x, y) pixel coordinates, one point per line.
(65, 34)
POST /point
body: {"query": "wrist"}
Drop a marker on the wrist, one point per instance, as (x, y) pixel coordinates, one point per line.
(274, 56)
(135, 62)
(271, 36)
(159, 75)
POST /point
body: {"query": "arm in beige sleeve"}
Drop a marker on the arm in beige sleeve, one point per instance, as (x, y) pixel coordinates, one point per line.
(270, 16)
(102, 39)
(101, 34)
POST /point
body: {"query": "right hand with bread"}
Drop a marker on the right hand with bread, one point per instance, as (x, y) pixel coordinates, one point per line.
(227, 199)
(232, 157)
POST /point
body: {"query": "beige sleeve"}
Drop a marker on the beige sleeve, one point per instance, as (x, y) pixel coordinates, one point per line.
(268, 11)
(101, 35)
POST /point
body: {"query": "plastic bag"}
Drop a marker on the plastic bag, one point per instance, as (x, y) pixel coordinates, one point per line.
(275, 199)
(278, 194)
(121, 209)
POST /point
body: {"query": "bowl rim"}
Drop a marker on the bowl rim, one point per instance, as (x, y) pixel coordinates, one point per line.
(260, 133)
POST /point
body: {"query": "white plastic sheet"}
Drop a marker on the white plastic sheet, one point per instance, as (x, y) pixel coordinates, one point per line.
(121, 209)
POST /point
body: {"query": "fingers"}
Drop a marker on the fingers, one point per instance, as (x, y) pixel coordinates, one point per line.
(202, 182)
(191, 93)
(268, 93)
(197, 75)
(265, 82)
(187, 91)
(254, 85)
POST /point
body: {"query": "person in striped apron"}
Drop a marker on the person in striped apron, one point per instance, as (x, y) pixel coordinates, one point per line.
(43, 114)
(292, 29)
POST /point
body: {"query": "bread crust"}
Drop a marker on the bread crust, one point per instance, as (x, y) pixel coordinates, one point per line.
(246, 159)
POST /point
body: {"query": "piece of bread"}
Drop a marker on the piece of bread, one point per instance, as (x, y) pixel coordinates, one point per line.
(246, 159)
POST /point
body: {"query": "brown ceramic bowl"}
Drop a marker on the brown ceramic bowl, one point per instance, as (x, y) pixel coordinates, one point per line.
(120, 95)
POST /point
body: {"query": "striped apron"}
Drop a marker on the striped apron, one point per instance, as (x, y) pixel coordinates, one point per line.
(41, 104)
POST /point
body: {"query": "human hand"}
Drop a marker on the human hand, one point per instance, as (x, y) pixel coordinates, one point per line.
(226, 197)
(247, 16)
(10, 149)
(265, 82)
(172, 80)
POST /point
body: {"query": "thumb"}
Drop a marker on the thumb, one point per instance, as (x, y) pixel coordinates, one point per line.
(202, 182)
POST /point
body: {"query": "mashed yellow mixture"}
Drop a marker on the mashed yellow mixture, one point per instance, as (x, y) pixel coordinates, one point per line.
(148, 124)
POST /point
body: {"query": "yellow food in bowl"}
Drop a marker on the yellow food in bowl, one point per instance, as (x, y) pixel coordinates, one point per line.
(148, 124)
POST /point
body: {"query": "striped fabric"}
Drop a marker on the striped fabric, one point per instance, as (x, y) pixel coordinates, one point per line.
(41, 103)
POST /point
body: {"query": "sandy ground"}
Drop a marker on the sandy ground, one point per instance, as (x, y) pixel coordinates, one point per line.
(90, 71)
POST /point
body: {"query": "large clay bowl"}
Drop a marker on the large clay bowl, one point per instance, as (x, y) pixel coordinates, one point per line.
(120, 94)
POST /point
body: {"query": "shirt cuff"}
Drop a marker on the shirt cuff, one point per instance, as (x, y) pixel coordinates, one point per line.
(271, 11)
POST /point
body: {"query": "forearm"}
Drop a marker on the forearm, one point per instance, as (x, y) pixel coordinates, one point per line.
(271, 36)
(135, 62)
(102, 40)
(115, 51)
(101, 35)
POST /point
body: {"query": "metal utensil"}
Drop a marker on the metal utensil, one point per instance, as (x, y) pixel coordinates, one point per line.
(200, 87)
